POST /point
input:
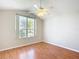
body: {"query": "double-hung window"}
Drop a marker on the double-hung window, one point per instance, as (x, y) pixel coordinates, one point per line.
(26, 26)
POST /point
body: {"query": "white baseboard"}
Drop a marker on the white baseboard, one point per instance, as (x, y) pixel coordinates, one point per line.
(20, 46)
(62, 46)
(38, 42)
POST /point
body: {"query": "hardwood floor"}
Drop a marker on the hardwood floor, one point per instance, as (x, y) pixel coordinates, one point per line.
(39, 51)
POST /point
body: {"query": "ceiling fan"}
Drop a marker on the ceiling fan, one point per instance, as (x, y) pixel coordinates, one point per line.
(40, 11)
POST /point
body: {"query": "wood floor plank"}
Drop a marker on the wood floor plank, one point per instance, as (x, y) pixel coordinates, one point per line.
(39, 51)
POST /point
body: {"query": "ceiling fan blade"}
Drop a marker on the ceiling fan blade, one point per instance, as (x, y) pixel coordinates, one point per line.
(35, 6)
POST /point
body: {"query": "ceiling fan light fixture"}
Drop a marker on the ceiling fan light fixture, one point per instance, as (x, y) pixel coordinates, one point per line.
(41, 12)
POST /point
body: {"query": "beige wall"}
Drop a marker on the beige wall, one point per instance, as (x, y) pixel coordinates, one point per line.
(61, 27)
(8, 34)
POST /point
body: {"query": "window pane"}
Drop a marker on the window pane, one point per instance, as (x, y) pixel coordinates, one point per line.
(30, 27)
(22, 22)
(22, 26)
(30, 33)
(30, 23)
(22, 33)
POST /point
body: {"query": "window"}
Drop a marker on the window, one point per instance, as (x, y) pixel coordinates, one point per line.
(26, 26)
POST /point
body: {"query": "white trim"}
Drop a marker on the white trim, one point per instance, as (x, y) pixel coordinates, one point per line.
(20, 46)
(62, 46)
(39, 42)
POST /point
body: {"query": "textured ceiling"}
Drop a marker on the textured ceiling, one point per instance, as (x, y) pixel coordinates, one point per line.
(59, 6)
(21, 4)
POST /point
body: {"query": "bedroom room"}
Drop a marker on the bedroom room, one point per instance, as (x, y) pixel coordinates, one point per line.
(39, 29)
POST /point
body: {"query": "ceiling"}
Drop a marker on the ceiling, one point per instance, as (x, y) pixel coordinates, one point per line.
(21, 4)
(59, 6)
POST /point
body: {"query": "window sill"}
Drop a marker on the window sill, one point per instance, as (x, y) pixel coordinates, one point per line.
(27, 37)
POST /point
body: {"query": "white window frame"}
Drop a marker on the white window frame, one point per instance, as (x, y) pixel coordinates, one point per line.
(17, 26)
